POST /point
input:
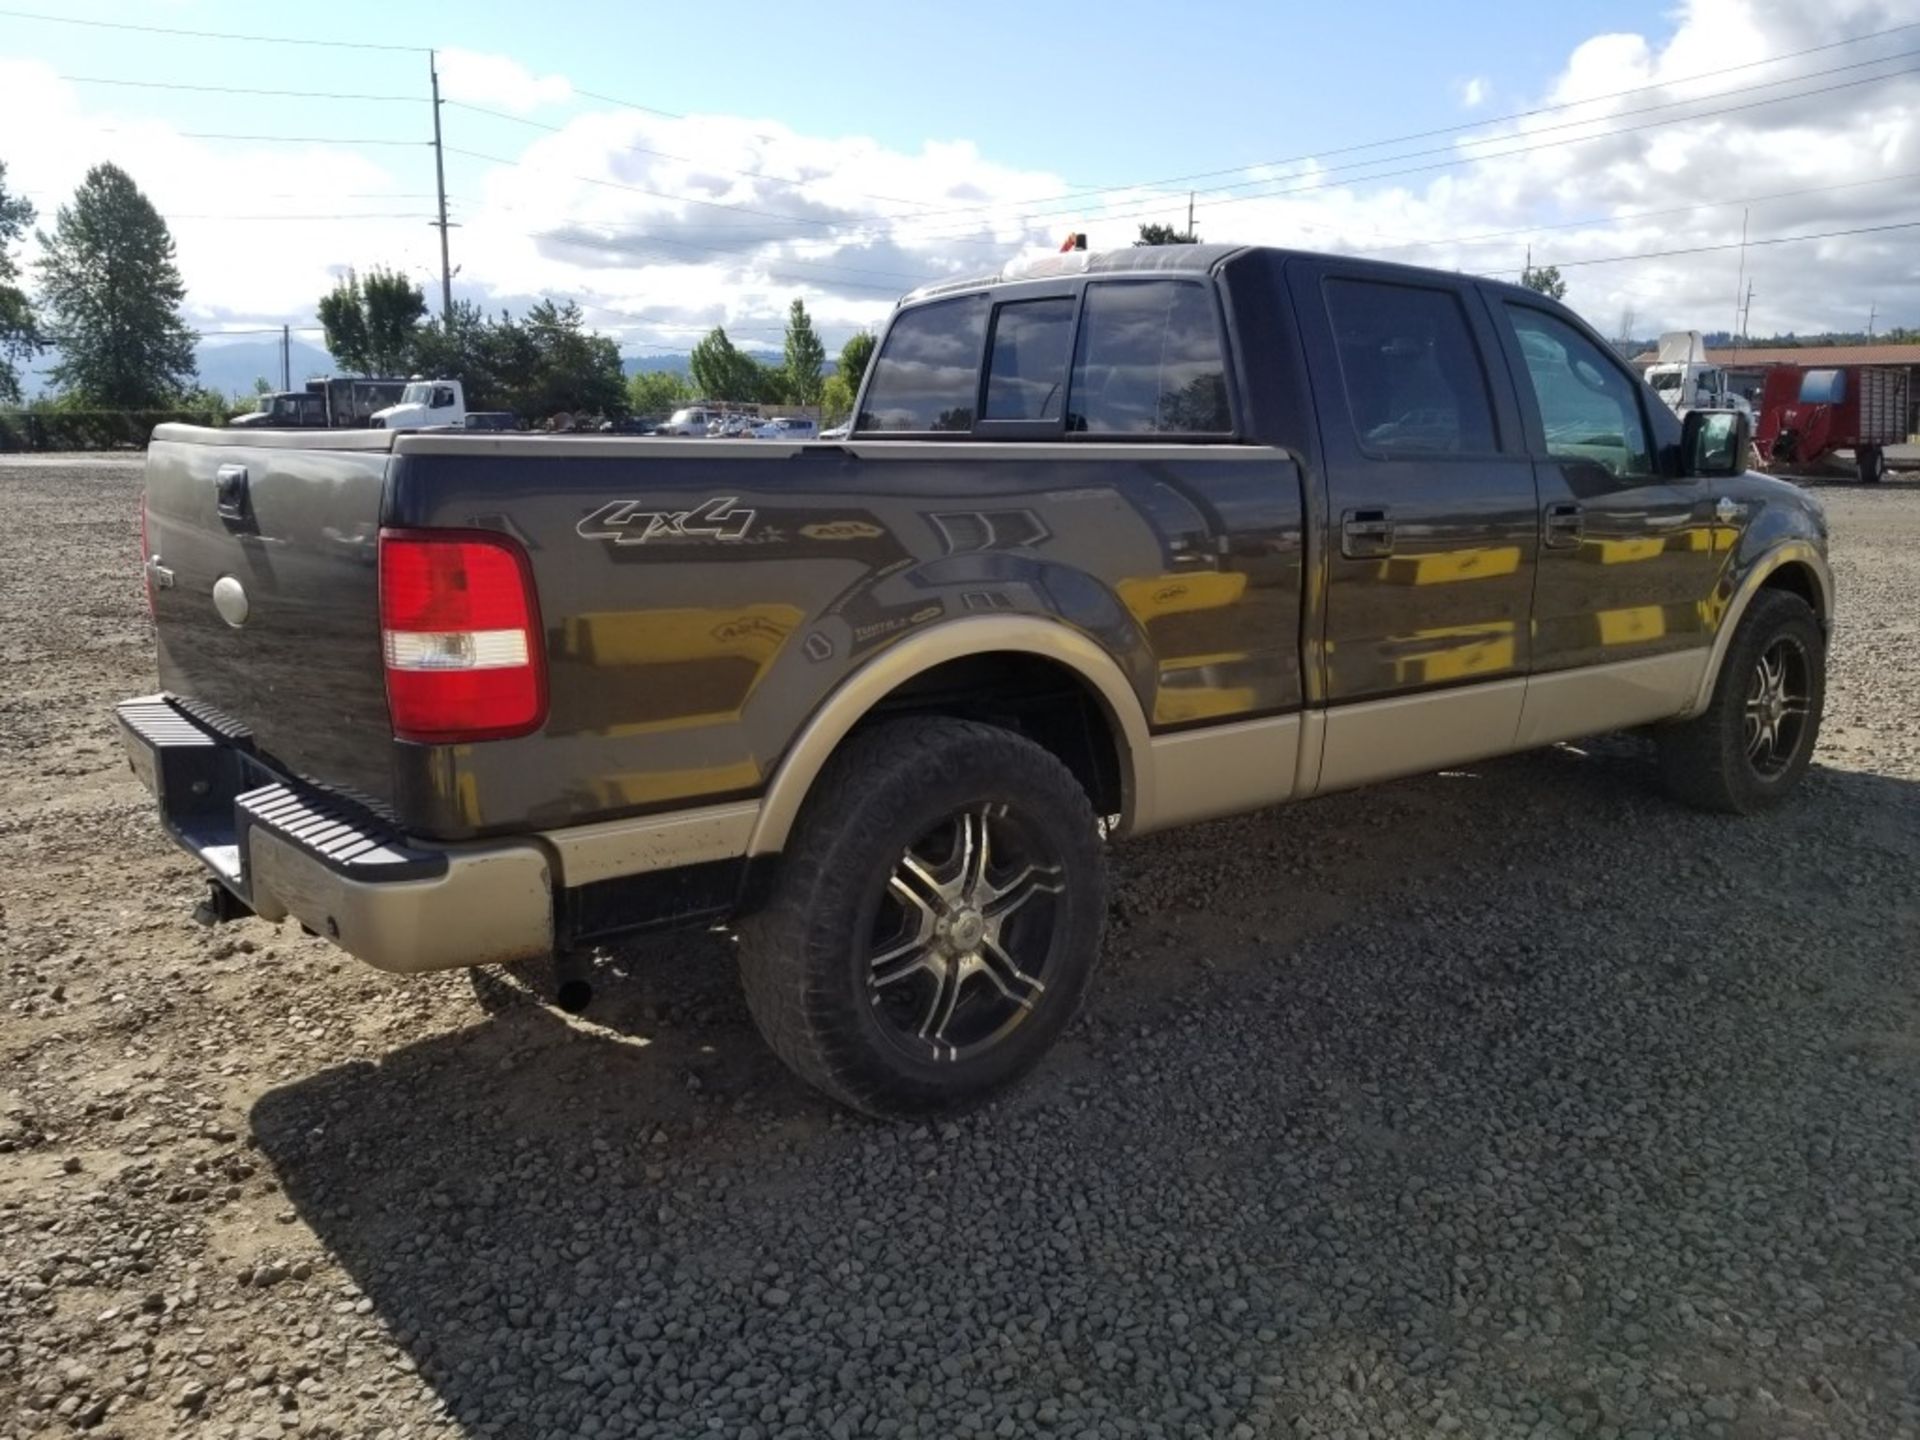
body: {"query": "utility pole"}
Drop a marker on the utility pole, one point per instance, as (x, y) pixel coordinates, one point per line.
(1746, 320)
(1190, 215)
(440, 183)
(1740, 276)
(286, 357)
(1873, 314)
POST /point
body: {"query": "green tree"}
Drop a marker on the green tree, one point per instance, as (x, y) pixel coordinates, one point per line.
(1545, 281)
(573, 369)
(109, 278)
(370, 324)
(657, 392)
(855, 356)
(19, 335)
(1153, 234)
(805, 356)
(836, 399)
(722, 371)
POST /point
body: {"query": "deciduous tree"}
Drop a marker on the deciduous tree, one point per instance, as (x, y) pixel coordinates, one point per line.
(1544, 280)
(370, 324)
(1155, 234)
(19, 335)
(805, 356)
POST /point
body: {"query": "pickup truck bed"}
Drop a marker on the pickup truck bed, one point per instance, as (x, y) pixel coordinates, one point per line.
(1144, 538)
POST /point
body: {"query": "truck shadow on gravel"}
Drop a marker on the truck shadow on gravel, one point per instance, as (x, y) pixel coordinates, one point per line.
(1561, 1107)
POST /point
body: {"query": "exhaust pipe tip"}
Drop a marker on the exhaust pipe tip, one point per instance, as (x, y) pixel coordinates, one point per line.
(574, 996)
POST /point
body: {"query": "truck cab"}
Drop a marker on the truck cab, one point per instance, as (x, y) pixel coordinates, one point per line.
(425, 404)
(299, 409)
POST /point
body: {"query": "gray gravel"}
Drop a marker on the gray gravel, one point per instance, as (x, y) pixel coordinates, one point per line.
(1510, 1102)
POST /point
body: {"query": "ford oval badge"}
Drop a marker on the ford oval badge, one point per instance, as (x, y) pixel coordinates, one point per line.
(230, 599)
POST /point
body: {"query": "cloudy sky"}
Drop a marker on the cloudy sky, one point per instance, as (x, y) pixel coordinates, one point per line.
(671, 175)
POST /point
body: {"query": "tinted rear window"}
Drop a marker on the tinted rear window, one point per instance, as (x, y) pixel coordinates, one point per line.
(1413, 376)
(1149, 361)
(927, 378)
(1027, 372)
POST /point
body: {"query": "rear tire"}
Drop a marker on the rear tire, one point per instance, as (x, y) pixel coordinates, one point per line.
(1871, 463)
(1748, 749)
(935, 920)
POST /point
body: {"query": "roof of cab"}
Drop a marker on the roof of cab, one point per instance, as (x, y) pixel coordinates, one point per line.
(1136, 259)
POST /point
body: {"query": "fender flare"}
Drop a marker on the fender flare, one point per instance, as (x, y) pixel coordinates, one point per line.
(1790, 552)
(856, 696)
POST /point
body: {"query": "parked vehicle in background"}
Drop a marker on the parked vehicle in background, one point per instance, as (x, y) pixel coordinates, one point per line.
(835, 432)
(1686, 380)
(1137, 540)
(491, 420)
(424, 404)
(1806, 415)
(785, 427)
(338, 402)
(690, 421)
(732, 425)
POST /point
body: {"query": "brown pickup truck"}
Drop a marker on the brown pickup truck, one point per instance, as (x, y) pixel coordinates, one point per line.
(1127, 541)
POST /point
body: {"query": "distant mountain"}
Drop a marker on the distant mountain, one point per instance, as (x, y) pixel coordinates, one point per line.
(232, 366)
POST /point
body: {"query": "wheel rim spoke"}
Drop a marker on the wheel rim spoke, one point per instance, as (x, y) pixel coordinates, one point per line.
(1011, 895)
(1012, 982)
(940, 1006)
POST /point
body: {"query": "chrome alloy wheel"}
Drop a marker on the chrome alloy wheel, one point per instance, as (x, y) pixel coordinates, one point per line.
(1779, 701)
(962, 943)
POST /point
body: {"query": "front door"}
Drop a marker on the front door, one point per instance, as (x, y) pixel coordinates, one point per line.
(1624, 605)
(1431, 511)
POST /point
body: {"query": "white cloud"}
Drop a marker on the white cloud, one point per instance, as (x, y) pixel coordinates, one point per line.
(483, 79)
(1474, 92)
(663, 227)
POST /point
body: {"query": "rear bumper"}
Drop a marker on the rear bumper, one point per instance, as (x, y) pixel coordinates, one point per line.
(284, 850)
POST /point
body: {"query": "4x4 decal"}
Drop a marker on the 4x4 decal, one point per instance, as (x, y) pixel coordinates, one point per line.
(625, 523)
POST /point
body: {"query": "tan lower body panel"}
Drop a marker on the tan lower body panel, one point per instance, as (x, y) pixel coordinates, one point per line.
(1412, 734)
(491, 906)
(1570, 703)
(652, 842)
(1222, 770)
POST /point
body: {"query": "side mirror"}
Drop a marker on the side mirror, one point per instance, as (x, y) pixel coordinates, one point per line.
(1716, 442)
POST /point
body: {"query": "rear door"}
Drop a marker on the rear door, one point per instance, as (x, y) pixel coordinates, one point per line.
(1431, 510)
(1630, 557)
(287, 532)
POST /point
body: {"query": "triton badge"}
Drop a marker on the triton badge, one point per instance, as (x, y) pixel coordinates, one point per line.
(625, 523)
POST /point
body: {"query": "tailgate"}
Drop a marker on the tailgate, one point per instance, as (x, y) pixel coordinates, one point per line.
(263, 554)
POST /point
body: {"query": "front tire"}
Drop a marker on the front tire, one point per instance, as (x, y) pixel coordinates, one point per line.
(1871, 463)
(935, 921)
(1748, 749)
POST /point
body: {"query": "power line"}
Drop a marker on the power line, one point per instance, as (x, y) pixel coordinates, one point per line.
(1737, 244)
(210, 34)
(1488, 122)
(229, 89)
(268, 139)
(663, 154)
(1153, 207)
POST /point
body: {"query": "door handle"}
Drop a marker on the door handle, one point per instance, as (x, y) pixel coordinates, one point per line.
(1562, 525)
(1366, 534)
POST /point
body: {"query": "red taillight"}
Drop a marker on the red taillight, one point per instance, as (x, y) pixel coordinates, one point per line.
(461, 634)
(146, 557)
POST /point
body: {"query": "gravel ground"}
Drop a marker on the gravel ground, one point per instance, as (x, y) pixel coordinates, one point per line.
(1509, 1102)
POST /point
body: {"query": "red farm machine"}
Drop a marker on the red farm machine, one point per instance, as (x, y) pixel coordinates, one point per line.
(1807, 414)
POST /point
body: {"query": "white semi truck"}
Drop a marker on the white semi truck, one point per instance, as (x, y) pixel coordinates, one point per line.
(1686, 379)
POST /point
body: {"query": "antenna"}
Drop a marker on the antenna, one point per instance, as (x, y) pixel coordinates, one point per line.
(1740, 277)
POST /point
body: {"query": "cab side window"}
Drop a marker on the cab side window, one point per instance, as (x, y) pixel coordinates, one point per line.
(927, 377)
(1027, 368)
(1149, 361)
(1414, 381)
(1588, 407)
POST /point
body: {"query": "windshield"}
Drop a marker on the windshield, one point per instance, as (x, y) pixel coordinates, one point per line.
(1664, 380)
(417, 394)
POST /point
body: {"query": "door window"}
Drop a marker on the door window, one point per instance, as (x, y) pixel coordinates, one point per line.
(1589, 409)
(1027, 370)
(927, 378)
(1414, 381)
(1149, 361)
